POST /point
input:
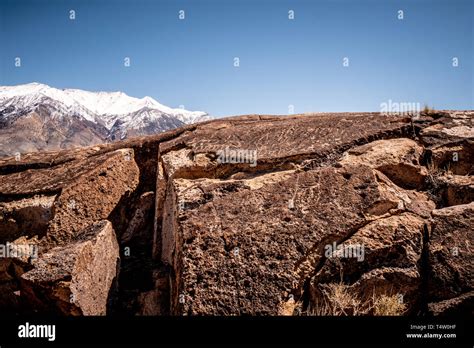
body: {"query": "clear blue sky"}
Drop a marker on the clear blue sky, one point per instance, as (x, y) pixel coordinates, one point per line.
(282, 61)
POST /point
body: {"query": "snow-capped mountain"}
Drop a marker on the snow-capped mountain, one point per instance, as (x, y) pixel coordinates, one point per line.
(41, 117)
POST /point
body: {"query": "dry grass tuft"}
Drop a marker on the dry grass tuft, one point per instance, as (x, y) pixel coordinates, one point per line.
(389, 305)
(427, 110)
(435, 182)
(338, 300)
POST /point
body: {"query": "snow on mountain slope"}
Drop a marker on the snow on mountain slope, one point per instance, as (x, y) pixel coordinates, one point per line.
(37, 117)
(100, 107)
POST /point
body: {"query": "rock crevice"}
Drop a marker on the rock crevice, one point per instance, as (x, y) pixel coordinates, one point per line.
(254, 215)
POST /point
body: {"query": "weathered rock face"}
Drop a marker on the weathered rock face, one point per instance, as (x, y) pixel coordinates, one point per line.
(25, 217)
(451, 258)
(222, 239)
(77, 259)
(399, 159)
(254, 215)
(115, 177)
(75, 279)
(389, 264)
(457, 189)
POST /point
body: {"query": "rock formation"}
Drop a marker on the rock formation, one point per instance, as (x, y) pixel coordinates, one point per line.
(252, 215)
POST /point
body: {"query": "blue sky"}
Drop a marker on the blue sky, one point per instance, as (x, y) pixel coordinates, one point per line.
(283, 62)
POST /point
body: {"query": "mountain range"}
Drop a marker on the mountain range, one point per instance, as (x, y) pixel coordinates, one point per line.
(37, 117)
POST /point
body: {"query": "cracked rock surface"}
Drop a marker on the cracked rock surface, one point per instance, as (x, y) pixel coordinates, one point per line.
(251, 215)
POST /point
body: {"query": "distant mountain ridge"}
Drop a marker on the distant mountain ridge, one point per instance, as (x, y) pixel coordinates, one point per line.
(37, 117)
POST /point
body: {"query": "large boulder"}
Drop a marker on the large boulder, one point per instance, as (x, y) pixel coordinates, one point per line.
(451, 254)
(381, 258)
(399, 159)
(269, 247)
(456, 189)
(75, 279)
(93, 196)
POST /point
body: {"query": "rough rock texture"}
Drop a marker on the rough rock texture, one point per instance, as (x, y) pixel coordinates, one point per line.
(254, 215)
(75, 279)
(25, 217)
(461, 305)
(115, 177)
(451, 256)
(392, 253)
(399, 159)
(457, 189)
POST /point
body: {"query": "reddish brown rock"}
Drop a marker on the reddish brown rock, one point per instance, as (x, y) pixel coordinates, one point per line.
(375, 259)
(139, 224)
(108, 182)
(399, 159)
(462, 305)
(233, 216)
(75, 279)
(451, 257)
(457, 189)
(155, 301)
(25, 217)
(269, 246)
(456, 158)
(448, 128)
